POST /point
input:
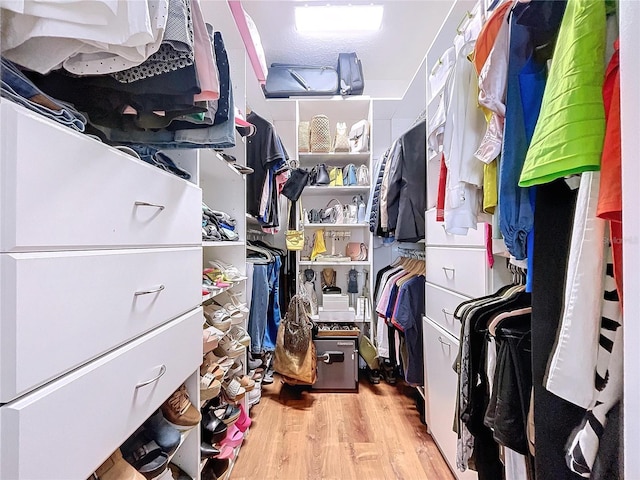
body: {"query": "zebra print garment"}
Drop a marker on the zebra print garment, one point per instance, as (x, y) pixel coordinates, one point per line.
(583, 444)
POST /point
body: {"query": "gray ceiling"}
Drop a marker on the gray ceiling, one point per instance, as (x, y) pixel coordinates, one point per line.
(390, 57)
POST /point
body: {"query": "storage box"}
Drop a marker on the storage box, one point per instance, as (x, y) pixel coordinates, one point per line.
(335, 302)
(325, 315)
(337, 364)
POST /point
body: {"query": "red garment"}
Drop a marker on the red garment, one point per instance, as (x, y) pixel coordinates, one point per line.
(610, 196)
(442, 188)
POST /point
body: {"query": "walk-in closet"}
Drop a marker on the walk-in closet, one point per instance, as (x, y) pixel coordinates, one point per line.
(329, 240)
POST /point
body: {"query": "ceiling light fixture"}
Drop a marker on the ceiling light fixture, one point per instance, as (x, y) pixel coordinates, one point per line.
(338, 18)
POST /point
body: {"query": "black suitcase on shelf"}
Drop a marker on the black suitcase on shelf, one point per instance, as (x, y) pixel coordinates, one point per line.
(350, 72)
(285, 80)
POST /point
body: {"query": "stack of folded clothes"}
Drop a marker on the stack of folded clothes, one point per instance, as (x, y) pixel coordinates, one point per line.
(217, 225)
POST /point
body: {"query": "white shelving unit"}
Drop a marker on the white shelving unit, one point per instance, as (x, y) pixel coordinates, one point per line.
(348, 110)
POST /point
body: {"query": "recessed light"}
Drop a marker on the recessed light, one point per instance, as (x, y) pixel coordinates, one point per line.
(338, 18)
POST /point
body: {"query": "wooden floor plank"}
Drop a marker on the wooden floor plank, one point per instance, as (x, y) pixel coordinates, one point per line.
(375, 434)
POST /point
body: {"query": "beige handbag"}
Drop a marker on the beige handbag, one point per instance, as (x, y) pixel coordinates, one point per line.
(341, 141)
(303, 137)
(320, 137)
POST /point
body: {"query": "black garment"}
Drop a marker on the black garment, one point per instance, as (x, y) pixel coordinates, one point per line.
(608, 464)
(262, 151)
(554, 417)
(511, 393)
(406, 196)
(222, 62)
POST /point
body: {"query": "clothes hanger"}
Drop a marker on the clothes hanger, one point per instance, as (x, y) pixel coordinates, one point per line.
(503, 316)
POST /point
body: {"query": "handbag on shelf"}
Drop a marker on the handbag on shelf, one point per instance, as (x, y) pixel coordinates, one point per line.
(357, 251)
(349, 175)
(332, 213)
(359, 137)
(314, 216)
(362, 175)
(294, 186)
(319, 175)
(351, 213)
(303, 137)
(294, 237)
(341, 140)
(320, 136)
(335, 177)
(350, 74)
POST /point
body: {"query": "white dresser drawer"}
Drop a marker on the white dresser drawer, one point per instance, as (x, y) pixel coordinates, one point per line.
(436, 234)
(462, 270)
(60, 309)
(62, 190)
(66, 429)
(440, 306)
(440, 351)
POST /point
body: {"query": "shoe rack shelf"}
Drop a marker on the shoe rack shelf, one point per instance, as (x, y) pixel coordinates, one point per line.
(214, 294)
(311, 159)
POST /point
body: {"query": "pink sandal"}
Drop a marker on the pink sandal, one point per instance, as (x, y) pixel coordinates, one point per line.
(234, 437)
(244, 421)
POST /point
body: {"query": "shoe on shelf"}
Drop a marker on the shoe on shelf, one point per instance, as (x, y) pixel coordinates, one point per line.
(227, 412)
(208, 451)
(217, 317)
(254, 363)
(232, 300)
(267, 378)
(159, 430)
(233, 390)
(215, 469)
(230, 272)
(179, 411)
(177, 473)
(210, 338)
(145, 455)
(236, 316)
(212, 429)
(244, 421)
(235, 370)
(209, 387)
(116, 468)
(240, 335)
(247, 382)
(234, 437)
(229, 347)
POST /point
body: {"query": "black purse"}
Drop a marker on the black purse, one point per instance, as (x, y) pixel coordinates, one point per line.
(319, 175)
(295, 184)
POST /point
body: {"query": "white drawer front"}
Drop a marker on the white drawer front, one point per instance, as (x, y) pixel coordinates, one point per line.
(65, 430)
(441, 304)
(61, 190)
(436, 235)
(440, 350)
(58, 310)
(458, 269)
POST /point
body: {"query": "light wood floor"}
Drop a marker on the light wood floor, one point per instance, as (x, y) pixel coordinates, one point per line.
(373, 435)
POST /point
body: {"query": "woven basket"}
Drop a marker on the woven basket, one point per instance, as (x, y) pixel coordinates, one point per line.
(320, 134)
(303, 137)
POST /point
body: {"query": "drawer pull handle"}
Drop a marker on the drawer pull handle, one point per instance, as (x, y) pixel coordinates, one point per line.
(443, 342)
(446, 313)
(449, 269)
(147, 292)
(147, 204)
(163, 370)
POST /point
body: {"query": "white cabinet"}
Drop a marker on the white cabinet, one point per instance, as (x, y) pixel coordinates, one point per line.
(441, 350)
(87, 303)
(100, 318)
(62, 430)
(66, 191)
(441, 305)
